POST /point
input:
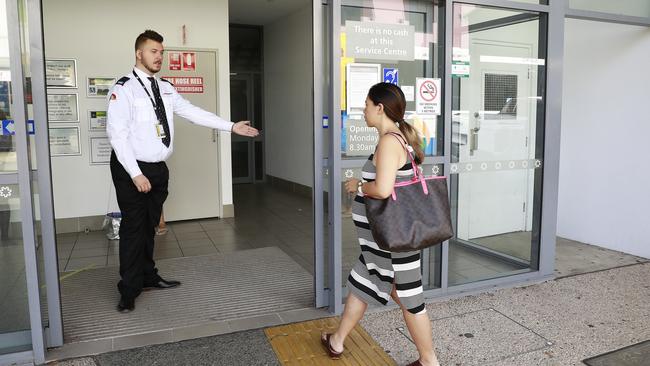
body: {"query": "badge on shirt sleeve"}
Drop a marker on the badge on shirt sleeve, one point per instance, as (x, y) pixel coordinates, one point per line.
(113, 96)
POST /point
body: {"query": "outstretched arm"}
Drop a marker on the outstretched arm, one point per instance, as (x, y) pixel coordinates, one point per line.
(197, 115)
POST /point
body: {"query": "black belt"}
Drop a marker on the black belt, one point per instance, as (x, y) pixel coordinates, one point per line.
(138, 161)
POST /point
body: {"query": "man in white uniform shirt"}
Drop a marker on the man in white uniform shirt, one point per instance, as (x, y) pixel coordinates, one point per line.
(141, 131)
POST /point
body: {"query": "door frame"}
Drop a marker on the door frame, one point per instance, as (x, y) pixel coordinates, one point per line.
(50, 334)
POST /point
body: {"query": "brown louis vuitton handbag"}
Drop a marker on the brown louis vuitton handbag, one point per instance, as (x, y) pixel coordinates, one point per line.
(416, 216)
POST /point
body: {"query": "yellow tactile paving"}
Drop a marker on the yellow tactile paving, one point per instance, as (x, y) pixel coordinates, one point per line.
(299, 344)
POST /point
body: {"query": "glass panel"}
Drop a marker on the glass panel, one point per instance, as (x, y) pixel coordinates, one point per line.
(14, 322)
(259, 160)
(639, 8)
(240, 111)
(7, 143)
(258, 108)
(15, 333)
(350, 241)
(239, 159)
(497, 124)
(372, 48)
(401, 42)
(433, 263)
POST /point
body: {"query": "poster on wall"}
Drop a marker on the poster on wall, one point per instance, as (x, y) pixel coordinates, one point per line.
(64, 141)
(189, 61)
(100, 150)
(409, 92)
(61, 73)
(97, 120)
(174, 61)
(360, 77)
(62, 108)
(427, 96)
(186, 84)
(99, 87)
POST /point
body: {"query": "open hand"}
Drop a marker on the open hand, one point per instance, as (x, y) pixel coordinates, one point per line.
(244, 128)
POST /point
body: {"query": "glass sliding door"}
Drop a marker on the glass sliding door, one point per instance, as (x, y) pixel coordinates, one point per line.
(393, 41)
(28, 263)
(15, 328)
(498, 87)
(21, 328)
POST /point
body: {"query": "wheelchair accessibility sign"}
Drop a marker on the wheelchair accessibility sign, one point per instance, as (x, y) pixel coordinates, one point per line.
(391, 75)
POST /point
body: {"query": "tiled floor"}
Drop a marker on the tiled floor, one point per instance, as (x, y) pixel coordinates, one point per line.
(264, 217)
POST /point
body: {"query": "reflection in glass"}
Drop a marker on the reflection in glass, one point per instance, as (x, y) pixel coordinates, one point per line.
(498, 113)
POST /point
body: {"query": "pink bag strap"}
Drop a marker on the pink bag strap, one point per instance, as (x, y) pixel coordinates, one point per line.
(406, 146)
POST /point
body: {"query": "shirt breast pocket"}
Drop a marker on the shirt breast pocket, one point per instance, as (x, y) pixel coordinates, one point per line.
(143, 110)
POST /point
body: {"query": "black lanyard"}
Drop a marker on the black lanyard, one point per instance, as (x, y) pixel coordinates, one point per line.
(155, 108)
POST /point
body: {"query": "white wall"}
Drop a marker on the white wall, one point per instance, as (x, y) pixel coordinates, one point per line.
(288, 103)
(639, 8)
(100, 36)
(604, 192)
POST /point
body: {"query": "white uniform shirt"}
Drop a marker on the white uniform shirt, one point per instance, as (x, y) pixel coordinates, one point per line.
(131, 120)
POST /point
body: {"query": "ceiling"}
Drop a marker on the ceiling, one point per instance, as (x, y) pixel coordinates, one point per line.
(262, 12)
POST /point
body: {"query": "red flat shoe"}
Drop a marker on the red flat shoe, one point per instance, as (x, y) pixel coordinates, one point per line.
(415, 363)
(325, 341)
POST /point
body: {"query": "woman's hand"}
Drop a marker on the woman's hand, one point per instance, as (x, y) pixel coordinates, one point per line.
(351, 185)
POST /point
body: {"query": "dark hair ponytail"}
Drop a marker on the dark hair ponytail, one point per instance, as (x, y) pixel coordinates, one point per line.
(413, 138)
(392, 98)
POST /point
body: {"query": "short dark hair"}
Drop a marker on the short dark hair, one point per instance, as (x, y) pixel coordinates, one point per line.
(147, 34)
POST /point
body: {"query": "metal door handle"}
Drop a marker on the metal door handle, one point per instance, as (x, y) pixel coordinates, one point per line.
(473, 137)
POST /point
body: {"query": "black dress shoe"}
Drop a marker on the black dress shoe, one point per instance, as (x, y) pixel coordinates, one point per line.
(125, 305)
(162, 284)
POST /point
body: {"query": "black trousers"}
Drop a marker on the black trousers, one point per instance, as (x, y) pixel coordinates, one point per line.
(140, 215)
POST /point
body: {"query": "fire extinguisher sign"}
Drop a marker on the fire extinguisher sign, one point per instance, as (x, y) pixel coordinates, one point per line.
(189, 61)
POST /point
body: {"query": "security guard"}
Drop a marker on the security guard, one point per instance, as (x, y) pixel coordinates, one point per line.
(141, 131)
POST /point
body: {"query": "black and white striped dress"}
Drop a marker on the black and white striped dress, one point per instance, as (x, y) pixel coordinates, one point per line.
(372, 277)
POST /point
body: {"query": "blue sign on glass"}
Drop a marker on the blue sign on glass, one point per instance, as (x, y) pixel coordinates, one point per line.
(391, 75)
(8, 127)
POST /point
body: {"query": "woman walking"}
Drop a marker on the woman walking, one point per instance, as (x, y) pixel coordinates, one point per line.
(379, 275)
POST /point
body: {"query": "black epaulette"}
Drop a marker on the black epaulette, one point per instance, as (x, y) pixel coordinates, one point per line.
(122, 80)
(170, 83)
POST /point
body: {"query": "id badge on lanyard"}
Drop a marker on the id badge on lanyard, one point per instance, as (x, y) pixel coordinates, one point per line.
(160, 131)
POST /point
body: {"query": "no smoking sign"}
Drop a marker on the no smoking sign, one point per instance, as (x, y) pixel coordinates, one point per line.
(427, 100)
(428, 91)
